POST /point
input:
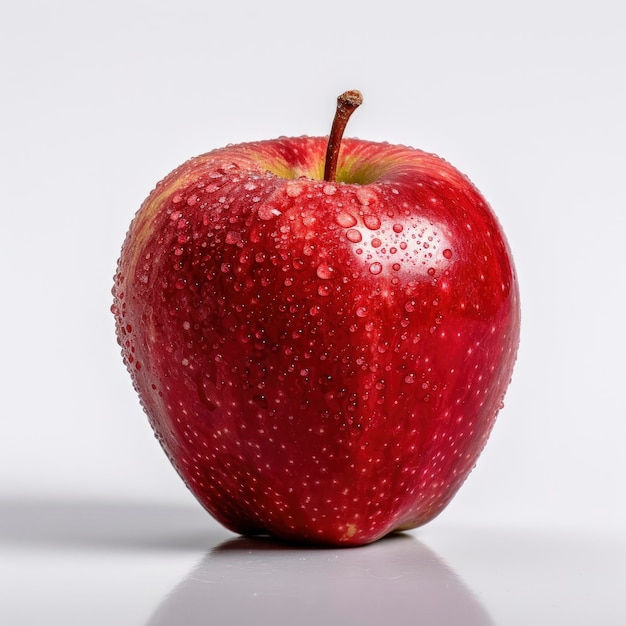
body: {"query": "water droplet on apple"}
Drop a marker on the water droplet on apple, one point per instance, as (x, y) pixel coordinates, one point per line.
(409, 379)
(409, 306)
(232, 237)
(398, 228)
(365, 196)
(308, 218)
(294, 189)
(325, 271)
(354, 235)
(267, 212)
(371, 221)
(376, 243)
(324, 290)
(447, 253)
(376, 268)
(330, 190)
(345, 220)
(361, 311)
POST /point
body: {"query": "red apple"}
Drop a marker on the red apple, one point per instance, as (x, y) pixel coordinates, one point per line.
(321, 360)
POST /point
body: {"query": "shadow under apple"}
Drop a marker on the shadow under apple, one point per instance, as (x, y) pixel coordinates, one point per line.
(395, 580)
(106, 525)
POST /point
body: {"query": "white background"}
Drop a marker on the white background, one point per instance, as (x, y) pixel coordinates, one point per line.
(101, 100)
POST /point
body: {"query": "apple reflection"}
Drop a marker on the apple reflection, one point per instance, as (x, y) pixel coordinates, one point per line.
(395, 580)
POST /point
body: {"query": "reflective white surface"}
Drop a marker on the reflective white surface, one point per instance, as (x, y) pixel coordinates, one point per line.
(71, 562)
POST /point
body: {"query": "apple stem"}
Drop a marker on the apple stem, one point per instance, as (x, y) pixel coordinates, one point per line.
(347, 103)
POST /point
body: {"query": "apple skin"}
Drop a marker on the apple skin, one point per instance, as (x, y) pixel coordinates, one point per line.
(321, 362)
